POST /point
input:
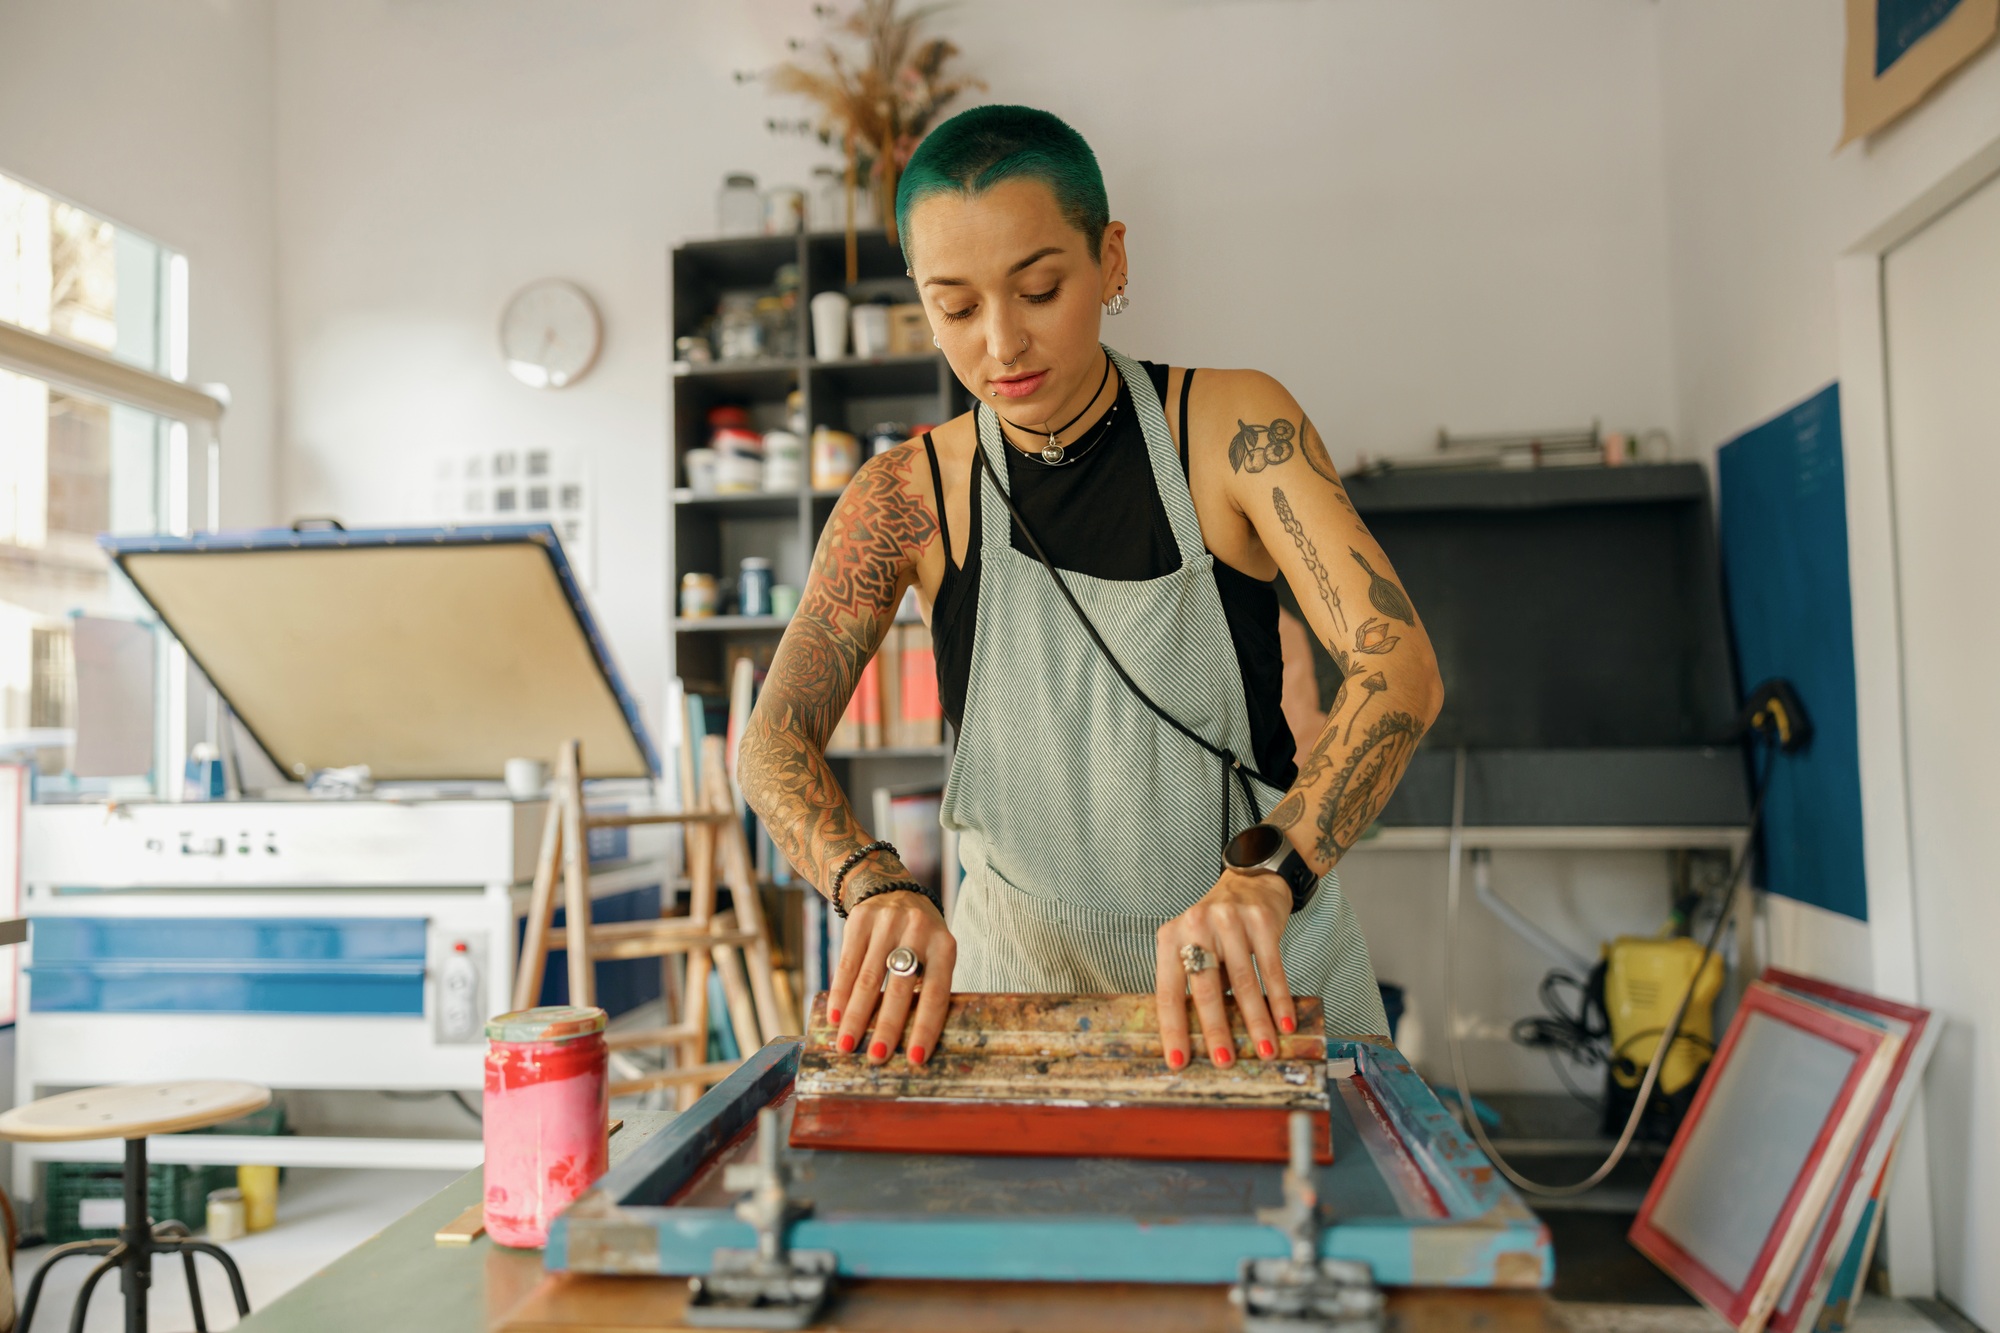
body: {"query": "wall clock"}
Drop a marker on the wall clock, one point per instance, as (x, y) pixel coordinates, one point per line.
(550, 334)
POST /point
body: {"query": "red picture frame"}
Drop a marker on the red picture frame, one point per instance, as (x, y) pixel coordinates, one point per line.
(1868, 1165)
(1748, 1305)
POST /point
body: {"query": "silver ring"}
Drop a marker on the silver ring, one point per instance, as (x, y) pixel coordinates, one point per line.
(1195, 959)
(903, 962)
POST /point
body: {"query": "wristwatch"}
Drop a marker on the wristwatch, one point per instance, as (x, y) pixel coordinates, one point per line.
(1265, 847)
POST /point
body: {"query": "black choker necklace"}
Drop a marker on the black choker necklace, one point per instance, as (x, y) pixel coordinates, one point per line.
(1052, 452)
(1069, 454)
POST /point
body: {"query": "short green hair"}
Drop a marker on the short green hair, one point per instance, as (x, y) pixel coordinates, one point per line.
(977, 149)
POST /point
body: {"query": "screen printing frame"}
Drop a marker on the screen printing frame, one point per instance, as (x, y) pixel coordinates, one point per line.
(1481, 1235)
(1847, 1212)
(1872, 1049)
(122, 550)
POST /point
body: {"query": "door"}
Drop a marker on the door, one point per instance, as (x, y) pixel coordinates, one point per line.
(1942, 300)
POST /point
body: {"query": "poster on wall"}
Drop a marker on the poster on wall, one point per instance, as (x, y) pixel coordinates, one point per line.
(1899, 50)
(520, 484)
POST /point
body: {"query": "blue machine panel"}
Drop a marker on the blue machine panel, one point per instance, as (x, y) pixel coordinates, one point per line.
(280, 965)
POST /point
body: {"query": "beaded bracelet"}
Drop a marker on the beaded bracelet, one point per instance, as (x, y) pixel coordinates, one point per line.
(854, 859)
(899, 886)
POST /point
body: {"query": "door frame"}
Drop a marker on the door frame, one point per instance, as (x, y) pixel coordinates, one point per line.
(1875, 579)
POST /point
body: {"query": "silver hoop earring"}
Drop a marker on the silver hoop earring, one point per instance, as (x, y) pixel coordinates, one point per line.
(1116, 305)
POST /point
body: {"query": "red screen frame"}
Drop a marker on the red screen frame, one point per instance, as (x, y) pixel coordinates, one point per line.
(1734, 1304)
(1785, 1319)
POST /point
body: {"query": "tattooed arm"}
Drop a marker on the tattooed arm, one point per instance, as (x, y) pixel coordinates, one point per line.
(1287, 512)
(1285, 485)
(867, 556)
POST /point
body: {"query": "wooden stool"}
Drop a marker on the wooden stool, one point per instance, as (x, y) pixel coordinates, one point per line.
(131, 1113)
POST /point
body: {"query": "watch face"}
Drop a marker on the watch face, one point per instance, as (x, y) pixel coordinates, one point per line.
(1254, 846)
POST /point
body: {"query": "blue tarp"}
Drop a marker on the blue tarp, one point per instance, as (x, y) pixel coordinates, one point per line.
(1783, 498)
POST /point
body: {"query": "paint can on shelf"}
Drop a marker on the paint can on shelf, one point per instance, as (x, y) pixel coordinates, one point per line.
(753, 587)
(544, 1113)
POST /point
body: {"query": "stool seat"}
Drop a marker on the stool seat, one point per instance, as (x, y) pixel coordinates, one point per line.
(133, 1110)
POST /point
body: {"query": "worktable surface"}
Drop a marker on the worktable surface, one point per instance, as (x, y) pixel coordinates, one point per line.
(402, 1279)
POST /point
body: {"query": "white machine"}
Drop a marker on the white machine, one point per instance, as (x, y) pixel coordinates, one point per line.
(309, 943)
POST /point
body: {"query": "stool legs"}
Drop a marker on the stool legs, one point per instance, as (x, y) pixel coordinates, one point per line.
(59, 1253)
(132, 1254)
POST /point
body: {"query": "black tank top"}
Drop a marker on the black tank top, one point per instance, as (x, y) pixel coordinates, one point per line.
(1102, 516)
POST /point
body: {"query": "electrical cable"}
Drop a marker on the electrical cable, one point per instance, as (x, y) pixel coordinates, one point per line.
(1455, 855)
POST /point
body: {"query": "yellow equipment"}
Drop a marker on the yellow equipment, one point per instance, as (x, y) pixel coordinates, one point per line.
(1644, 979)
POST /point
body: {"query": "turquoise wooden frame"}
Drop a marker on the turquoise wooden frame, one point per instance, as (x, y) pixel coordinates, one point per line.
(1486, 1236)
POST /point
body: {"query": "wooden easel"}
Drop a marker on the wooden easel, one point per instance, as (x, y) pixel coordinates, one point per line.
(760, 1005)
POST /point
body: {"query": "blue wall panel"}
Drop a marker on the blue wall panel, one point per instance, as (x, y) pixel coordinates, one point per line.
(1784, 553)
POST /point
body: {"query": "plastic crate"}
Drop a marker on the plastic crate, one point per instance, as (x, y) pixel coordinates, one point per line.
(174, 1191)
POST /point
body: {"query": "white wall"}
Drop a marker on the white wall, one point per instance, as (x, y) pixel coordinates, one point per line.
(1758, 207)
(157, 115)
(1416, 215)
(1421, 214)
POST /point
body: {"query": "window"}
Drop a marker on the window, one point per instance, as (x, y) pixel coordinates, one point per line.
(73, 466)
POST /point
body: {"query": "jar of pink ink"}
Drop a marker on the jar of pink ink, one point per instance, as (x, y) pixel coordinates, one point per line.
(544, 1115)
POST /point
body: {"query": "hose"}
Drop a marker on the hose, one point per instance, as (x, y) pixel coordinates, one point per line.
(1452, 903)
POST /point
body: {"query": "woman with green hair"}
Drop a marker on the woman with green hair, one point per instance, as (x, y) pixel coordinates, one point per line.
(1095, 546)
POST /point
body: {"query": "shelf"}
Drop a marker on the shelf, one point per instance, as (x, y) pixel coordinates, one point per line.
(894, 752)
(729, 625)
(752, 504)
(884, 376)
(1585, 838)
(760, 378)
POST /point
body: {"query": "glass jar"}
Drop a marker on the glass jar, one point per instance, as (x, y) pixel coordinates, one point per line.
(739, 208)
(828, 205)
(784, 210)
(738, 334)
(701, 596)
(544, 1116)
(753, 587)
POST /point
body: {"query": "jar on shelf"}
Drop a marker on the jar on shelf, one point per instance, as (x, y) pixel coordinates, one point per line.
(738, 334)
(701, 596)
(753, 587)
(779, 322)
(886, 435)
(784, 210)
(739, 208)
(784, 461)
(828, 205)
(835, 456)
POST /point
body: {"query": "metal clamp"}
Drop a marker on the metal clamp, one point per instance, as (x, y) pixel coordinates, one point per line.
(772, 1286)
(1304, 1293)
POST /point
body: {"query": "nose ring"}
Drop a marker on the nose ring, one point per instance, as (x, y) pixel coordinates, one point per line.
(1017, 355)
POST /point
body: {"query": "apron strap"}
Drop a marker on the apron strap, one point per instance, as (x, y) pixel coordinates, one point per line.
(1171, 482)
(1229, 761)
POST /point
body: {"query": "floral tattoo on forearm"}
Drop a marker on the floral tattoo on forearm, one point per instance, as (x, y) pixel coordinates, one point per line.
(875, 535)
(1346, 793)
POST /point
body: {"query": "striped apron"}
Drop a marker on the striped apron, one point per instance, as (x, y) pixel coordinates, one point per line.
(1084, 820)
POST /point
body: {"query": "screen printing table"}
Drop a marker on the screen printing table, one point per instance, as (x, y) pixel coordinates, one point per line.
(1173, 1229)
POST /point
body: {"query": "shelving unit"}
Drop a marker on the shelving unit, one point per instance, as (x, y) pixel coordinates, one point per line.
(713, 533)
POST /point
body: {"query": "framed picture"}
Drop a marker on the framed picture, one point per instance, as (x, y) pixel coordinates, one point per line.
(1786, 1099)
(1809, 1287)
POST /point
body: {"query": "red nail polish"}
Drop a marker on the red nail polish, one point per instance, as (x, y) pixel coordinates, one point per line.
(1286, 1024)
(1266, 1049)
(1223, 1056)
(916, 1055)
(833, 1015)
(846, 1043)
(1175, 1059)
(877, 1051)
